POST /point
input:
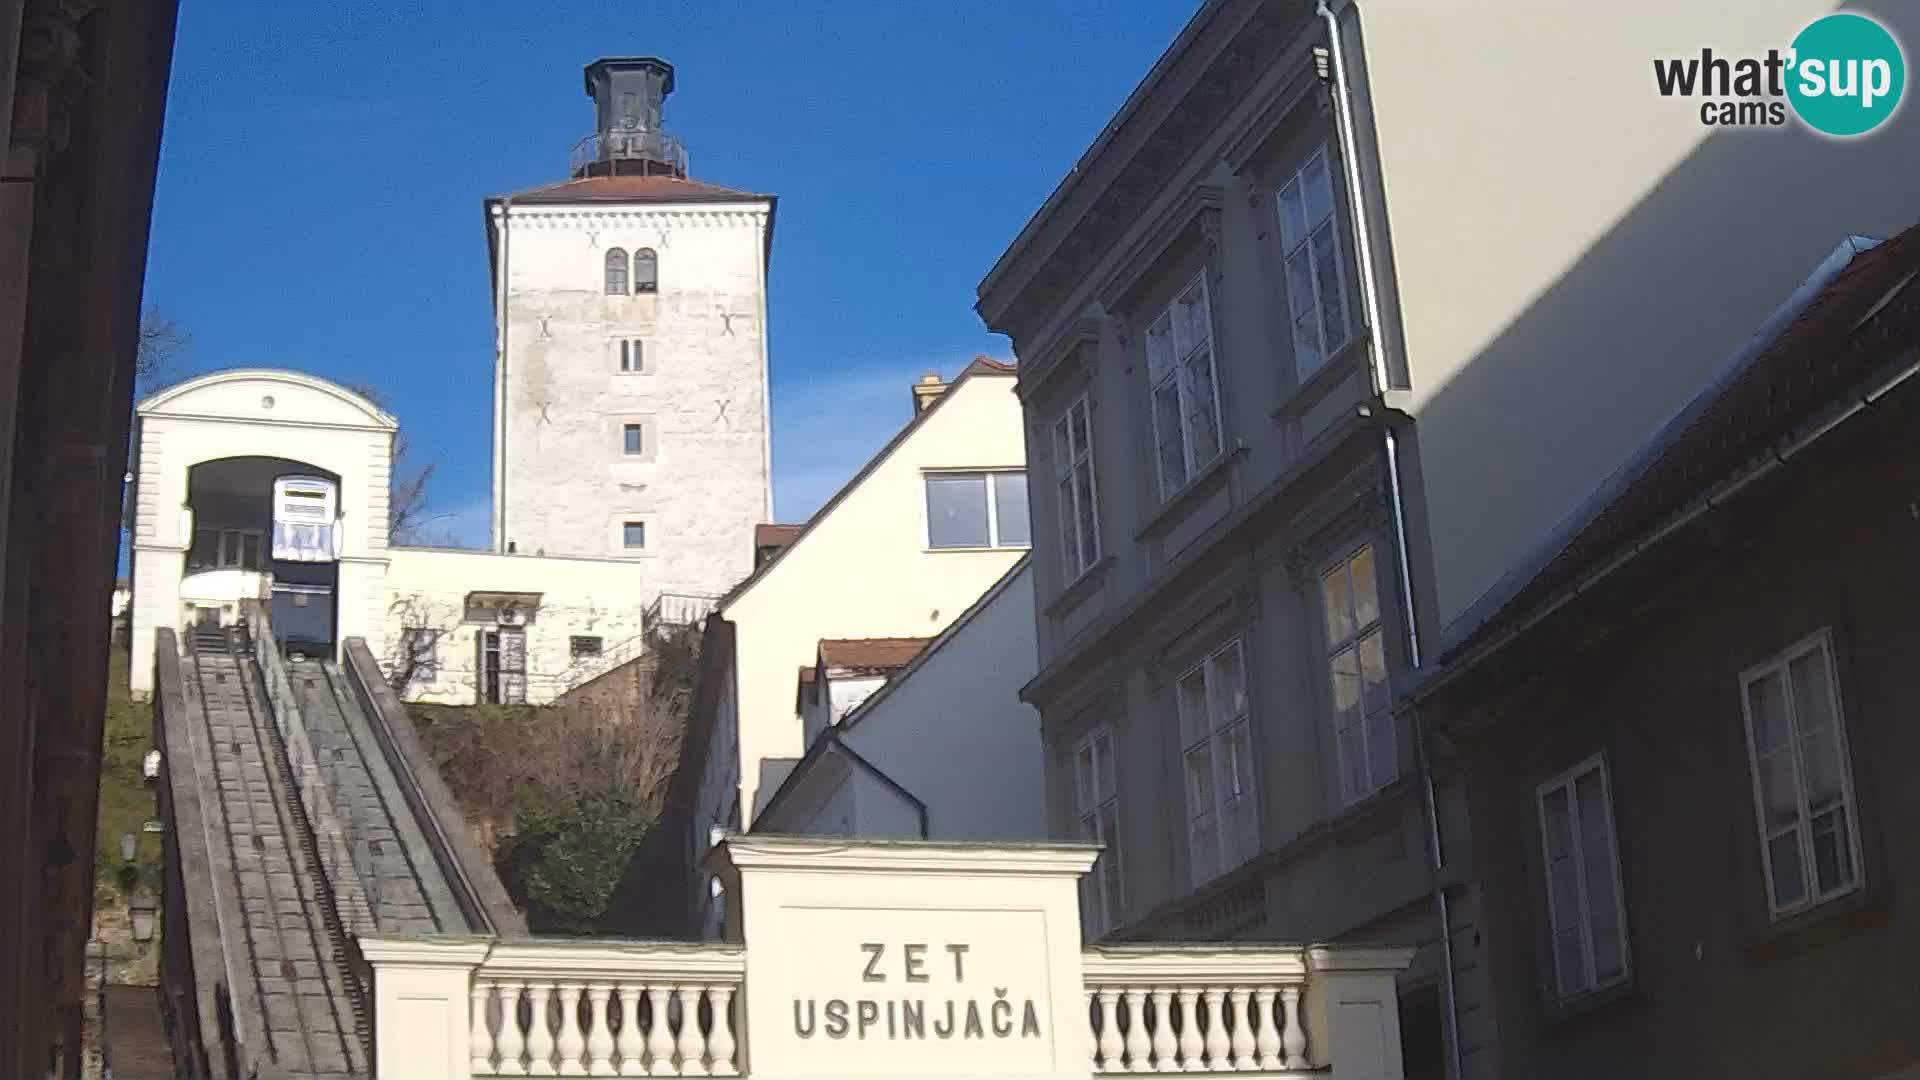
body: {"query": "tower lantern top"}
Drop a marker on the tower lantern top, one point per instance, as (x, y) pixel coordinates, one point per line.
(629, 138)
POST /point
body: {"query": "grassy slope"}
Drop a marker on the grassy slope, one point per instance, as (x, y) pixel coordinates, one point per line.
(126, 797)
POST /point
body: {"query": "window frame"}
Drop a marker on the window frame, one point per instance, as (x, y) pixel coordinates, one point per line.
(617, 277)
(1081, 552)
(575, 652)
(633, 439)
(1780, 664)
(650, 283)
(626, 539)
(1565, 781)
(1103, 901)
(993, 507)
(230, 541)
(1333, 649)
(631, 356)
(1296, 181)
(1216, 734)
(425, 668)
(1178, 365)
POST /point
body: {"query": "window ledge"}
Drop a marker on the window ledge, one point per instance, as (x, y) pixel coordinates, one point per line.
(976, 550)
(1329, 374)
(1183, 498)
(1829, 918)
(1077, 591)
(1559, 1013)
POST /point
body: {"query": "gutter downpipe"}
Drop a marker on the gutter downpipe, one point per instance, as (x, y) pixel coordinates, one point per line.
(505, 212)
(1370, 299)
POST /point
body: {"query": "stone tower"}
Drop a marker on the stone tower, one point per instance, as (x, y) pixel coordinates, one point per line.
(630, 389)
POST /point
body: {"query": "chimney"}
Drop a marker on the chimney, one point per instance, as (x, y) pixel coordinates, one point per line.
(925, 391)
(629, 139)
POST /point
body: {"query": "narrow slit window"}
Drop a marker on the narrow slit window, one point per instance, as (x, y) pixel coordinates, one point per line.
(633, 534)
(633, 357)
(632, 439)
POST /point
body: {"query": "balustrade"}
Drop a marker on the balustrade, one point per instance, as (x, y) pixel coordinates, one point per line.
(1159, 1008)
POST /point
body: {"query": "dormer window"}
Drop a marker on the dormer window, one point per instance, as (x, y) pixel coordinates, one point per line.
(646, 271)
(617, 272)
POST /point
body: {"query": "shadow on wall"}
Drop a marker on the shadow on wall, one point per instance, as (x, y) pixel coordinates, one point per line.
(1613, 347)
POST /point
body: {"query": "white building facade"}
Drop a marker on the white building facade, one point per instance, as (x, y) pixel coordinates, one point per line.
(631, 394)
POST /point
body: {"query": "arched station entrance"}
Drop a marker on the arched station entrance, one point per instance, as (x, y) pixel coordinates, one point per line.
(265, 528)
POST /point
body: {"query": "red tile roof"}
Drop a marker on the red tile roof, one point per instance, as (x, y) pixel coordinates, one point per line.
(987, 365)
(660, 189)
(870, 655)
(1791, 375)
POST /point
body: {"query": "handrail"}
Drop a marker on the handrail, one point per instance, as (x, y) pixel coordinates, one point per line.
(182, 745)
(477, 890)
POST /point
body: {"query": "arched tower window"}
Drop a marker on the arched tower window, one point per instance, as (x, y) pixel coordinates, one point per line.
(646, 271)
(616, 272)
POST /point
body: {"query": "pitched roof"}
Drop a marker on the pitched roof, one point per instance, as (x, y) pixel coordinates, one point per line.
(871, 656)
(980, 366)
(1794, 364)
(658, 189)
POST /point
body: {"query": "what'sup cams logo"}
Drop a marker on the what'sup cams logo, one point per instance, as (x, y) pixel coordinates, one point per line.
(1844, 75)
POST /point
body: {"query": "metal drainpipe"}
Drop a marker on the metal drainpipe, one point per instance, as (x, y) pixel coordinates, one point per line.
(1370, 299)
(500, 381)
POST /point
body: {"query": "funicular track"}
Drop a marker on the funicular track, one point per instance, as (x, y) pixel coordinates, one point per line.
(314, 1018)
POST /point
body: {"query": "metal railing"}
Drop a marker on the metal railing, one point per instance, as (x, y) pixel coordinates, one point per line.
(640, 145)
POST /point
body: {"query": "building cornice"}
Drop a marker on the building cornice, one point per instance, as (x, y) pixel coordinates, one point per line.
(835, 855)
(730, 216)
(1031, 280)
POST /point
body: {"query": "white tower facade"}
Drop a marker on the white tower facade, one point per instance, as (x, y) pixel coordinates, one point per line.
(630, 390)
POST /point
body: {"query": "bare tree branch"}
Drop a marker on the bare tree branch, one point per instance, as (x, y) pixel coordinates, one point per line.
(407, 497)
(162, 342)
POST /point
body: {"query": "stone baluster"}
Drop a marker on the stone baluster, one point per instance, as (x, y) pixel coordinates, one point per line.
(572, 1043)
(1190, 1044)
(1137, 1045)
(692, 1044)
(1110, 1045)
(1165, 1050)
(632, 1047)
(720, 1042)
(1240, 1004)
(1293, 1040)
(1217, 1044)
(540, 1032)
(513, 1042)
(479, 1031)
(1094, 1020)
(1267, 1038)
(599, 1034)
(659, 1035)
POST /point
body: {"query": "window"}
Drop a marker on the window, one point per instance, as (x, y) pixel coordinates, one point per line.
(584, 646)
(225, 549)
(631, 440)
(1217, 756)
(422, 645)
(1585, 908)
(1098, 806)
(633, 355)
(1364, 741)
(503, 667)
(1073, 466)
(1802, 780)
(1316, 282)
(977, 510)
(633, 534)
(1186, 412)
(616, 272)
(646, 271)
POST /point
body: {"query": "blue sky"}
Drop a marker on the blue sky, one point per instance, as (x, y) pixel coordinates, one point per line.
(324, 164)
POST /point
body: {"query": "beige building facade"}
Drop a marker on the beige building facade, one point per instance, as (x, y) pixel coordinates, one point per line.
(1310, 353)
(918, 534)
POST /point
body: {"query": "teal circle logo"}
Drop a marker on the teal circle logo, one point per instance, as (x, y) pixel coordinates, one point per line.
(1847, 75)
